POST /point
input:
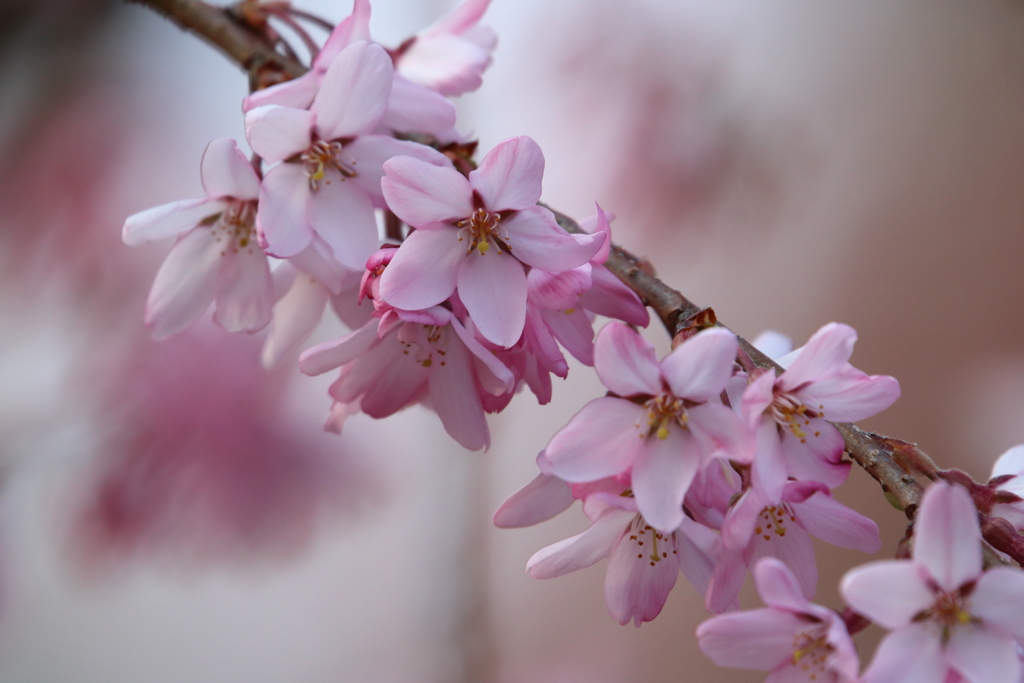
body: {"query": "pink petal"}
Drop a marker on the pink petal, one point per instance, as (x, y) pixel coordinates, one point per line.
(726, 582)
(415, 108)
(626, 362)
(337, 352)
(370, 152)
(834, 523)
(227, 173)
(185, 283)
(168, 220)
(342, 214)
(557, 291)
(759, 639)
(421, 193)
(947, 538)
(778, 586)
(352, 312)
(582, 550)
(278, 133)
(983, 657)
(493, 289)
(662, 473)
(998, 599)
(888, 593)
(699, 547)
(451, 65)
(353, 28)
(818, 456)
(636, 585)
(600, 441)
(608, 296)
(825, 354)
(909, 655)
(281, 216)
(757, 396)
(699, 368)
(740, 520)
(317, 260)
(537, 240)
(295, 317)
(574, 331)
(297, 93)
(768, 472)
(354, 93)
(396, 383)
(509, 177)
(1010, 462)
(795, 550)
(537, 502)
(494, 366)
(603, 225)
(244, 295)
(454, 396)
(852, 396)
(423, 271)
(463, 18)
(720, 432)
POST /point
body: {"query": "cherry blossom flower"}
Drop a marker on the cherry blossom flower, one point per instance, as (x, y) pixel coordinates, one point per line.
(451, 56)
(317, 152)
(475, 234)
(216, 257)
(661, 424)
(757, 527)
(792, 638)
(428, 356)
(1011, 465)
(819, 384)
(946, 614)
(644, 563)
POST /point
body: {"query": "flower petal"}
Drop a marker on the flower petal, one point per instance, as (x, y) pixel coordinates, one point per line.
(759, 639)
(600, 441)
(795, 549)
(494, 366)
(282, 214)
(825, 354)
(421, 193)
(557, 291)
(947, 538)
(574, 331)
(888, 593)
(317, 260)
(370, 152)
(582, 550)
(342, 214)
(244, 294)
(423, 271)
(726, 582)
(818, 456)
(509, 177)
(454, 396)
(778, 586)
(168, 220)
(297, 93)
(909, 655)
(537, 240)
(226, 172)
(626, 362)
(337, 352)
(537, 502)
(662, 473)
(720, 432)
(354, 93)
(277, 133)
(851, 396)
(608, 296)
(983, 657)
(637, 584)
(699, 368)
(834, 523)
(1010, 462)
(295, 317)
(493, 289)
(415, 108)
(998, 599)
(185, 283)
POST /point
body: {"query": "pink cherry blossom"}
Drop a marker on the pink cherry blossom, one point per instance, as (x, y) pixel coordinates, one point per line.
(216, 257)
(757, 527)
(662, 423)
(792, 638)
(819, 385)
(644, 563)
(475, 235)
(428, 356)
(317, 152)
(451, 56)
(944, 612)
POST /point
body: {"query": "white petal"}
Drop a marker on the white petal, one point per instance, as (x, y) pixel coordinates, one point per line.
(277, 133)
(185, 283)
(226, 172)
(168, 220)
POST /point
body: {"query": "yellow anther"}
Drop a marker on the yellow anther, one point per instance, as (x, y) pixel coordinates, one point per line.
(483, 247)
(663, 432)
(426, 362)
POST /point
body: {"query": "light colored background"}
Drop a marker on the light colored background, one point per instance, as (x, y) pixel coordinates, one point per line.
(789, 163)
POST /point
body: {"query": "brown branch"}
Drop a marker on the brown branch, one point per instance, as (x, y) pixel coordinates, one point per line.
(891, 462)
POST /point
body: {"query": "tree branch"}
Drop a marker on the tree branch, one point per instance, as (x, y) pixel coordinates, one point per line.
(879, 456)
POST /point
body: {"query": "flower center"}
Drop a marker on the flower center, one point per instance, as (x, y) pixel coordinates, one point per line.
(651, 542)
(426, 343)
(792, 414)
(811, 652)
(949, 612)
(322, 156)
(662, 411)
(772, 520)
(237, 225)
(481, 229)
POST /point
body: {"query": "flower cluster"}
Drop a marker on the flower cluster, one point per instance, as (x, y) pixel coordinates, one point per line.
(692, 463)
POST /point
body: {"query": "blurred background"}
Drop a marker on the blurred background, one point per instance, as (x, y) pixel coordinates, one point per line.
(170, 512)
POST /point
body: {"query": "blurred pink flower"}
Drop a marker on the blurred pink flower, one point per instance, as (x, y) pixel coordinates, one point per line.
(946, 614)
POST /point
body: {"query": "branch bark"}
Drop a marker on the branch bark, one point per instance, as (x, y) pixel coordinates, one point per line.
(879, 456)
